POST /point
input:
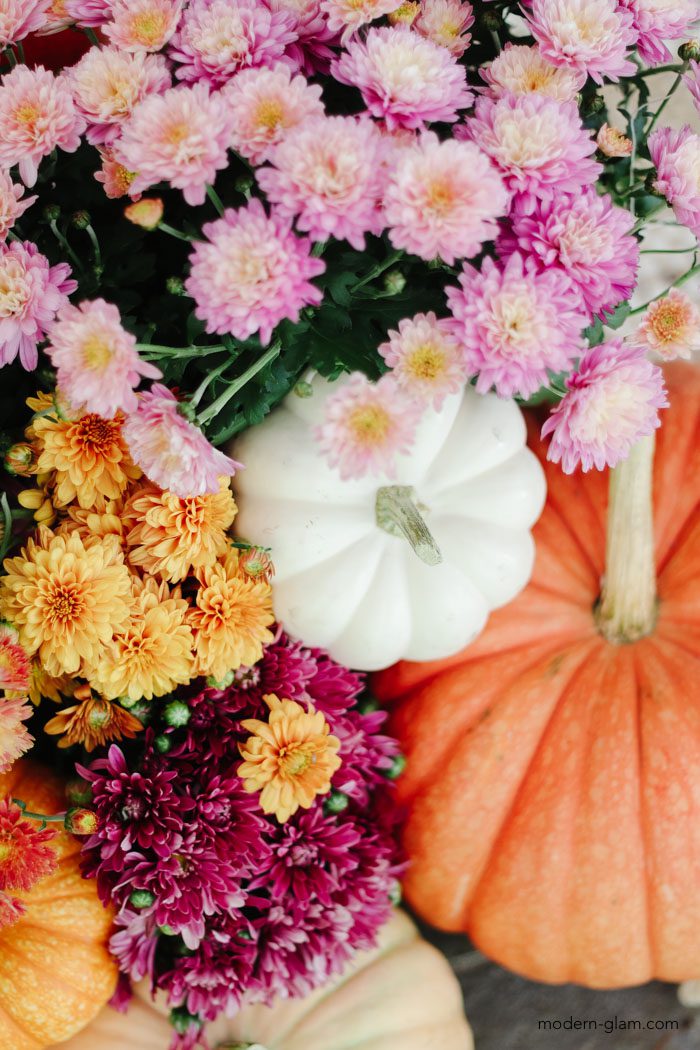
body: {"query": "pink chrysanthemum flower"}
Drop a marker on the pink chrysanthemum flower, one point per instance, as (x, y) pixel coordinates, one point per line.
(670, 327)
(180, 137)
(328, 173)
(14, 738)
(25, 857)
(367, 425)
(37, 114)
(613, 400)
(585, 236)
(251, 273)
(522, 70)
(346, 16)
(426, 358)
(404, 78)
(515, 325)
(14, 662)
(657, 21)
(107, 83)
(612, 142)
(20, 17)
(56, 18)
(443, 199)
(116, 179)
(591, 36)
(89, 13)
(264, 105)
(446, 22)
(310, 51)
(692, 82)
(171, 451)
(97, 363)
(217, 38)
(676, 156)
(142, 25)
(12, 204)
(31, 294)
(539, 144)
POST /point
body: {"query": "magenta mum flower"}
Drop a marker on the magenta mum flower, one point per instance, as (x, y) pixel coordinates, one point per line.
(31, 294)
(676, 155)
(310, 51)
(591, 36)
(251, 272)
(20, 17)
(586, 237)
(613, 400)
(538, 143)
(218, 38)
(327, 173)
(404, 78)
(171, 451)
(516, 325)
(657, 21)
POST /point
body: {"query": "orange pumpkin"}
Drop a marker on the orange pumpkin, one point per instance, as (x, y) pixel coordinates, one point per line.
(553, 775)
(401, 996)
(55, 971)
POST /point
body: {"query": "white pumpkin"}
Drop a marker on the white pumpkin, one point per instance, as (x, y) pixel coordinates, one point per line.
(347, 578)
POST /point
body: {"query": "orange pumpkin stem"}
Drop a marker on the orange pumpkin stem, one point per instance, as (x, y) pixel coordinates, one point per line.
(628, 605)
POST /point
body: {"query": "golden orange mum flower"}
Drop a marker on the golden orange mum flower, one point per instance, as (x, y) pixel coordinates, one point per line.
(152, 652)
(87, 457)
(289, 759)
(92, 722)
(65, 598)
(43, 686)
(171, 536)
(230, 619)
(108, 521)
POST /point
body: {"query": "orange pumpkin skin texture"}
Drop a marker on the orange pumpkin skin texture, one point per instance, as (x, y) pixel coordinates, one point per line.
(553, 779)
(401, 996)
(55, 971)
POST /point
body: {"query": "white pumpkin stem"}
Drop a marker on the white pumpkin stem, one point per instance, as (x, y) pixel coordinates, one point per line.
(398, 514)
(628, 606)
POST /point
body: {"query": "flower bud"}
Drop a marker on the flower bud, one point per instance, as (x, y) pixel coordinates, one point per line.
(141, 899)
(689, 50)
(78, 792)
(163, 743)
(492, 20)
(336, 802)
(244, 185)
(398, 764)
(167, 931)
(146, 213)
(182, 1020)
(367, 704)
(81, 219)
(52, 212)
(395, 894)
(394, 282)
(303, 389)
(221, 683)
(175, 285)
(176, 713)
(612, 143)
(20, 460)
(596, 104)
(81, 821)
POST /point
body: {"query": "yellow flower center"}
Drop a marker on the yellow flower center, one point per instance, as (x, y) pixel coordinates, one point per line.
(64, 604)
(6, 851)
(122, 179)
(294, 760)
(427, 362)
(370, 424)
(440, 197)
(97, 434)
(269, 114)
(27, 114)
(667, 321)
(96, 353)
(148, 28)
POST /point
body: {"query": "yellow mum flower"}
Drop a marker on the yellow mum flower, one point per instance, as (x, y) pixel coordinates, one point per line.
(88, 458)
(43, 686)
(171, 536)
(290, 759)
(108, 521)
(152, 653)
(66, 599)
(92, 722)
(230, 619)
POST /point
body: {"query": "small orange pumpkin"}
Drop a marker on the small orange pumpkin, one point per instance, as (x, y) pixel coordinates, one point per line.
(553, 776)
(401, 996)
(55, 971)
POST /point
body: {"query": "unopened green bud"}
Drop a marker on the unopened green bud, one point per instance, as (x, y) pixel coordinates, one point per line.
(395, 894)
(141, 899)
(167, 931)
(303, 389)
(690, 50)
(394, 282)
(221, 683)
(175, 285)
(398, 764)
(80, 219)
(52, 212)
(182, 1020)
(336, 802)
(176, 713)
(163, 744)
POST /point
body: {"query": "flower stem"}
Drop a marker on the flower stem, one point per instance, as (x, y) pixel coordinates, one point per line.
(57, 818)
(397, 514)
(213, 410)
(671, 91)
(676, 284)
(65, 245)
(165, 227)
(377, 270)
(208, 379)
(215, 199)
(628, 606)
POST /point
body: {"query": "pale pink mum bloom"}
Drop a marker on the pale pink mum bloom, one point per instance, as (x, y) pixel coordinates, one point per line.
(692, 82)
(20, 17)
(367, 425)
(14, 738)
(12, 204)
(107, 83)
(346, 16)
(264, 105)
(218, 38)
(327, 172)
(591, 36)
(613, 143)
(426, 358)
(89, 13)
(446, 22)
(116, 179)
(142, 25)
(676, 156)
(37, 114)
(586, 237)
(251, 273)
(180, 137)
(31, 294)
(670, 327)
(515, 325)
(443, 199)
(657, 21)
(404, 78)
(520, 69)
(98, 366)
(613, 400)
(56, 18)
(171, 451)
(538, 143)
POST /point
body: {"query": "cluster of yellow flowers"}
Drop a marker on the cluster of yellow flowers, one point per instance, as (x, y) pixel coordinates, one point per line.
(126, 587)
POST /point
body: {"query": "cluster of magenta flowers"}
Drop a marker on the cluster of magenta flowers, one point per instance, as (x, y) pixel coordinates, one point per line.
(219, 904)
